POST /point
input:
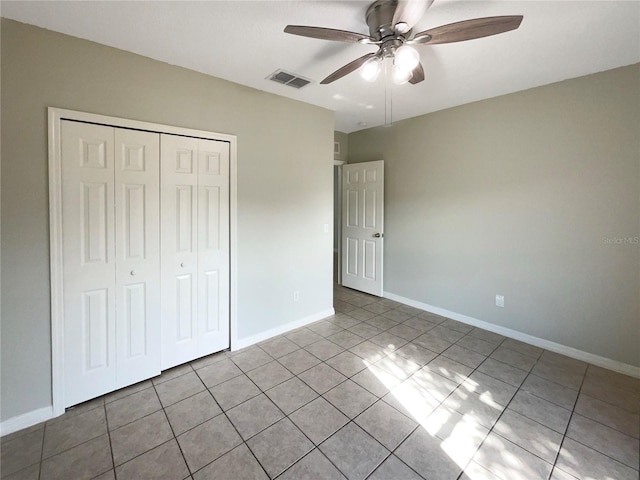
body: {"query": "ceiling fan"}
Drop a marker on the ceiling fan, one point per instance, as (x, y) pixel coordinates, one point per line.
(390, 28)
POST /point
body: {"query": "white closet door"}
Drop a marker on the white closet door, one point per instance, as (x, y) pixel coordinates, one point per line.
(137, 159)
(89, 260)
(213, 246)
(179, 267)
(195, 248)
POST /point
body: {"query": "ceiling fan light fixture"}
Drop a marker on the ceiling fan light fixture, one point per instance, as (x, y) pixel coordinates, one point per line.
(370, 70)
(402, 27)
(406, 58)
(400, 75)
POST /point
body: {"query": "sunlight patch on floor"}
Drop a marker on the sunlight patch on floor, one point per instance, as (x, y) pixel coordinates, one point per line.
(420, 395)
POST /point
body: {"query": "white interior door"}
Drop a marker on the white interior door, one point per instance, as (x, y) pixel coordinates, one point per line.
(89, 261)
(363, 226)
(137, 159)
(195, 248)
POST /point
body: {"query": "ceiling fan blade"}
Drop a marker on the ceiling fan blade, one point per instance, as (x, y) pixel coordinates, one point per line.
(418, 75)
(467, 30)
(327, 34)
(409, 12)
(348, 68)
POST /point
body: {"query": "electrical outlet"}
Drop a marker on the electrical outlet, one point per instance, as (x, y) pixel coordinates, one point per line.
(296, 296)
(499, 300)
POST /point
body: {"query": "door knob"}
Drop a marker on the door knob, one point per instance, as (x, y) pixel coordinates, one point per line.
(182, 265)
(133, 272)
(378, 235)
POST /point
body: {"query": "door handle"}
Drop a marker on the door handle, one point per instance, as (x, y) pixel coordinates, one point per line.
(378, 235)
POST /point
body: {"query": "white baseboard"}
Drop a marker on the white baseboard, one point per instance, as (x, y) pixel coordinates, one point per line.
(262, 336)
(28, 419)
(597, 360)
(25, 420)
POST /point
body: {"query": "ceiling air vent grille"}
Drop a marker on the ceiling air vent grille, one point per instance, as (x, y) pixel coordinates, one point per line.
(289, 79)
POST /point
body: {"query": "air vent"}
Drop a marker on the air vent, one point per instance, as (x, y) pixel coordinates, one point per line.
(289, 79)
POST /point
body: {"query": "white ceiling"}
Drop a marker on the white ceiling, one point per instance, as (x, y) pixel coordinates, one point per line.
(243, 41)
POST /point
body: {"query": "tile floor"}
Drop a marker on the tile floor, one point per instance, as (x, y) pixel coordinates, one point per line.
(379, 391)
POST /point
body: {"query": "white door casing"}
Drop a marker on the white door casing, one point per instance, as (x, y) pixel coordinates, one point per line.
(195, 248)
(363, 226)
(111, 258)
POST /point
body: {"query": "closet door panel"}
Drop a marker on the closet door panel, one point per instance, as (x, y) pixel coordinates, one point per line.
(213, 246)
(89, 260)
(145, 247)
(179, 257)
(138, 330)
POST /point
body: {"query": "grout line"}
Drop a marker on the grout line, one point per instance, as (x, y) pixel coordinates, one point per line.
(543, 398)
(564, 435)
(315, 447)
(391, 450)
(106, 420)
(146, 451)
(175, 438)
(604, 424)
(610, 404)
(299, 460)
(342, 428)
(133, 392)
(74, 446)
(244, 442)
(595, 449)
(44, 432)
(262, 392)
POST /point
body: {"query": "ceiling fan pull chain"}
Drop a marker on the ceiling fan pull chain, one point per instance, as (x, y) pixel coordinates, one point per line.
(388, 93)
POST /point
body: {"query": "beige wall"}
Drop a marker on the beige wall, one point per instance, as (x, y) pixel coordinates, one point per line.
(517, 195)
(285, 185)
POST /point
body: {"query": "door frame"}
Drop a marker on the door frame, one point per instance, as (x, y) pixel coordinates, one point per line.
(337, 211)
(55, 117)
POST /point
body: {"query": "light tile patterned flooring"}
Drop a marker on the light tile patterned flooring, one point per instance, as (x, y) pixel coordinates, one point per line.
(379, 391)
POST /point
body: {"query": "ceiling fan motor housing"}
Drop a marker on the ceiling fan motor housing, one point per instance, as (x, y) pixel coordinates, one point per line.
(380, 19)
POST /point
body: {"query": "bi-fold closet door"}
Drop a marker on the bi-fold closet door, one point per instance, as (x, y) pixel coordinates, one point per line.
(145, 221)
(111, 251)
(195, 248)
